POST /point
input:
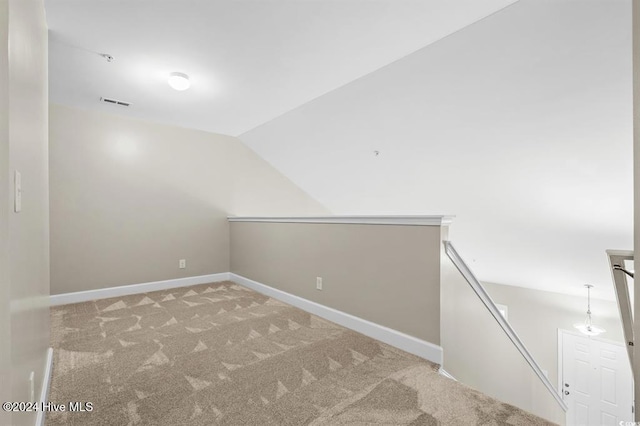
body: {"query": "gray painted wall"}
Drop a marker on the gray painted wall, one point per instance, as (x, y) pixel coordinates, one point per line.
(386, 274)
(130, 198)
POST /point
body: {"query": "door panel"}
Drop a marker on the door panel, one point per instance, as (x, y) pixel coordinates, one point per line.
(608, 385)
(582, 377)
(599, 381)
(581, 413)
(608, 420)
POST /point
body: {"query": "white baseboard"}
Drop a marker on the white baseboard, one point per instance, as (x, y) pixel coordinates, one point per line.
(387, 335)
(125, 290)
(46, 381)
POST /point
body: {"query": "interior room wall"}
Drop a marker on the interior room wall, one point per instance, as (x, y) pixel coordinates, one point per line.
(387, 274)
(24, 105)
(130, 198)
(479, 354)
(5, 290)
(537, 315)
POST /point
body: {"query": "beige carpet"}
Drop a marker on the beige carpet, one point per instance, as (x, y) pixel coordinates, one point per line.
(222, 354)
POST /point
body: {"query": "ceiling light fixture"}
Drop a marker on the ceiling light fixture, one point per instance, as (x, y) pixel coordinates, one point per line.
(587, 327)
(179, 81)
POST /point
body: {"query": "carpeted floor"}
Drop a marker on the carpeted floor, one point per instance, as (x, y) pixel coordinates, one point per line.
(222, 354)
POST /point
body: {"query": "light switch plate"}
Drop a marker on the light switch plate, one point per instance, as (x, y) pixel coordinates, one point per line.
(17, 191)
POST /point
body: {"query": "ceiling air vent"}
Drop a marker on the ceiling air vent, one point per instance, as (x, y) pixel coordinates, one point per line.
(115, 102)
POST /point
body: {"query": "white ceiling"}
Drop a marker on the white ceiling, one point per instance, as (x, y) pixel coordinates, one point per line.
(249, 60)
(519, 123)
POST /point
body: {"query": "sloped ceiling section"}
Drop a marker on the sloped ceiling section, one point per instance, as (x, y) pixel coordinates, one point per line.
(519, 124)
(249, 60)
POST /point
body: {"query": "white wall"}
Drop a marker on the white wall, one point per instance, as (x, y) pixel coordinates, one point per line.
(130, 198)
(524, 134)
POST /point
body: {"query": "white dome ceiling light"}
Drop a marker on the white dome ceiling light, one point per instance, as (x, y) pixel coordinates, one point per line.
(179, 81)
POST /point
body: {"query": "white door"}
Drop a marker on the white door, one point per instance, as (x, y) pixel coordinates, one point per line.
(597, 384)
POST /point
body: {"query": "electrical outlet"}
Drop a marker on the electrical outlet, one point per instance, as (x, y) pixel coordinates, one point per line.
(318, 283)
(182, 264)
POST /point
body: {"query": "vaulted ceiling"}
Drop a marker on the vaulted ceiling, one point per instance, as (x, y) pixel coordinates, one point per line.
(249, 60)
(515, 117)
